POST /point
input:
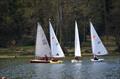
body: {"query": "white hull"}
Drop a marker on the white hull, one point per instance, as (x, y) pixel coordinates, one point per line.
(99, 60)
(76, 61)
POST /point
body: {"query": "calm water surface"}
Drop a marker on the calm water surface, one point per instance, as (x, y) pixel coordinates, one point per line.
(22, 69)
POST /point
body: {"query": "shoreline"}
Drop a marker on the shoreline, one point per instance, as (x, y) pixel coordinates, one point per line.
(13, 56)
(32, 56)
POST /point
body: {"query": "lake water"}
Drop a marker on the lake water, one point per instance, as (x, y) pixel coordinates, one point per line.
(22, 69)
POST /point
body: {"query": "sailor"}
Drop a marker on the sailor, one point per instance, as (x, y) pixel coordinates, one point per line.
(54, 59)
(46, 57)
(95, 58)
(77, 58)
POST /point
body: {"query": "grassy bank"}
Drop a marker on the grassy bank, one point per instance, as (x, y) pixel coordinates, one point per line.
(28, 51)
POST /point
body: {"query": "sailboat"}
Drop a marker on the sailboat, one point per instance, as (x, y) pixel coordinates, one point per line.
(56, 50)
(77, 46)
(42, 49)
(97, 46)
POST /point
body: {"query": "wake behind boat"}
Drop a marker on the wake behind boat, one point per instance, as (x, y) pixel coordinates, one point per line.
(42, 50)
(77, 46)
(97, 46)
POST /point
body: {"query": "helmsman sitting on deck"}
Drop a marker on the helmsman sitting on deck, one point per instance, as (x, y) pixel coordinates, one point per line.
(46, 57)
(95, 58)
(77, 58)
(54, 59)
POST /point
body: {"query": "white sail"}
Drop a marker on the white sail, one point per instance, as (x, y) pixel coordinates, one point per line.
(55, 46)
(77, 42)
(42, 46)
(97, 46)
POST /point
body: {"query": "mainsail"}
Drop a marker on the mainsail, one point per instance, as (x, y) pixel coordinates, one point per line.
(55, 46)
(77, 42)
(42, 47)
(97, 46)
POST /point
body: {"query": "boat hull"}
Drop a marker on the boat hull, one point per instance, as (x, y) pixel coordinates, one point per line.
(76, 61)
(56, 62)
(99, 60)
(39, 61)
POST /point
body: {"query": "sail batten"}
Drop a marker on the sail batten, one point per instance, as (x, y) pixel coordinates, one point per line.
(97, 46)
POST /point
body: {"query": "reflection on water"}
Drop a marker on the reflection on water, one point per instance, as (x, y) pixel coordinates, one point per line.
(96, 70)
(56, 71)
(76, 73)
(48, 71)
(22, 69)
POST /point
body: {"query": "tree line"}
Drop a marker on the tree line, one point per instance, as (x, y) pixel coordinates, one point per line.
(18, 19)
